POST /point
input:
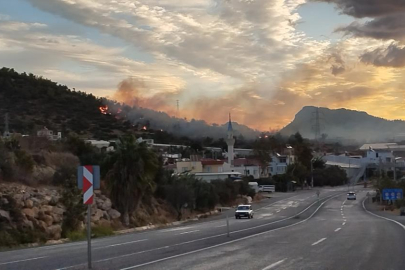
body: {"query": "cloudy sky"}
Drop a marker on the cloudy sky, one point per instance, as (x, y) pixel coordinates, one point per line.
(261, 60)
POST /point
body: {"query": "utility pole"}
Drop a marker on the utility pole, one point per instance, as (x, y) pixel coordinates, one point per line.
(178, 106)
(6, 133)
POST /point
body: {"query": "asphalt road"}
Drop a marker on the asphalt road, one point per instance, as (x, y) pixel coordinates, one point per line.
(294, 231)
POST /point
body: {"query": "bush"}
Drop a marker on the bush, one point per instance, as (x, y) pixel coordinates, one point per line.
(7, 240)
(100, 231)
(24, 160)
(75, 209)
(76, 235)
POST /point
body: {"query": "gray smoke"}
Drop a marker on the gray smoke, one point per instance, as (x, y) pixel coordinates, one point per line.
(392, 56)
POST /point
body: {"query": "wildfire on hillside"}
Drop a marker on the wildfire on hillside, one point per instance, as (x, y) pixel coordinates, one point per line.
(103, 109)
(144, 128)
(119, 110)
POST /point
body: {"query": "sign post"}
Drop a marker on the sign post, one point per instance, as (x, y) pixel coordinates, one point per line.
(317, 194)
(88, 179)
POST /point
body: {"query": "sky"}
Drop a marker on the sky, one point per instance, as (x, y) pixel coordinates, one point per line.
(260, 60)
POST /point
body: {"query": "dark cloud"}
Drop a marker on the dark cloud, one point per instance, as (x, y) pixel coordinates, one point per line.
(368, 8)
(392, 56)
(338, 65)
(385, 28)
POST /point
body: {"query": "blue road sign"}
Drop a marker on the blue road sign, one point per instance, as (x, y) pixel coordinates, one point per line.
(392, 194)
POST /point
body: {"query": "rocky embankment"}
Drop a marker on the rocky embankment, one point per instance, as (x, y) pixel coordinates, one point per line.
(41, 208)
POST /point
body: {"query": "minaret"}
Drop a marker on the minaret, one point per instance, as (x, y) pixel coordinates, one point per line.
(230, 141)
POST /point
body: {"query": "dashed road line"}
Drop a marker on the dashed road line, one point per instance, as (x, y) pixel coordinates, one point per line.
(31, 259)
(319, 241)
(189, 232)
(338, 229)
(274, 264)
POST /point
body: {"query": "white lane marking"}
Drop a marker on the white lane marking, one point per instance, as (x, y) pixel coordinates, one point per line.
(396, 222)
(338, 229)
(344, 223)
(220, 226)
(117, 257)
(274, 265)
(343, 217)
(175, 229)
(278, 211)
(284, 208)
(189, 232)
(31, 259)
(319, 241)
(120, 244)
(240, 239)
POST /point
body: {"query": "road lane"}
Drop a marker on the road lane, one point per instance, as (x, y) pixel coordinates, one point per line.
(365, 242)
(160, 243)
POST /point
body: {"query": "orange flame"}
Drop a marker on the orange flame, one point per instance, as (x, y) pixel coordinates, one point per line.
(144, 128)
(103, 109)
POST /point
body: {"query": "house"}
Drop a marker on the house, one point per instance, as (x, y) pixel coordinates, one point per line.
(280, 162)
(46, 133)
(102, 146)
(250, 167)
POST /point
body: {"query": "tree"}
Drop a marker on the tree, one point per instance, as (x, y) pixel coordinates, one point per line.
(132, 173)
(180, 194)
(318, 163)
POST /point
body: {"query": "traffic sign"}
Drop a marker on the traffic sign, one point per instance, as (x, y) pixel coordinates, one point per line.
(392, 194)
(88, 179)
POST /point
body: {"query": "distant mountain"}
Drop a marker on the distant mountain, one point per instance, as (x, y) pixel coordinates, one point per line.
(344, 125)
(33, 102)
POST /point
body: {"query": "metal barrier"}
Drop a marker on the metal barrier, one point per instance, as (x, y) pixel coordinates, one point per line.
(267, 188)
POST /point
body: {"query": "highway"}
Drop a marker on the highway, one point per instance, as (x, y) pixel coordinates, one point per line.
(291, 231)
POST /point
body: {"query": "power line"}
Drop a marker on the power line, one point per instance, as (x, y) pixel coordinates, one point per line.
(317, 127)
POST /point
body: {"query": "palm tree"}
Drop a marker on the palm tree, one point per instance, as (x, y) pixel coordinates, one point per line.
(133, 168)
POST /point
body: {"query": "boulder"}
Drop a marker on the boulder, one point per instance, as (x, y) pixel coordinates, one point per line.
(58, 210)
(42, 225)
(5, 215)
(54, 200)
(27, 223)
(47, 219)
(46, 199)
(105, 215)
(29, 203)
(56, 218)
(104, 223)
(114, 214)
(47, 209)
(106, 205)
(29, 213)
(54, 231)
(97, 214)
(4, 201)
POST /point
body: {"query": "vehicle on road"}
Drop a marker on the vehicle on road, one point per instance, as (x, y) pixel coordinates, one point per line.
(351, 195)
(244, 211)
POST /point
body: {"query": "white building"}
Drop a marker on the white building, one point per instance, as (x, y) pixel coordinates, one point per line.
(49, 134)
(280, 162)
(103, 146)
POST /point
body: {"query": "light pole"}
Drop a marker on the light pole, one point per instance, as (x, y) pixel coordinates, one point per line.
(312, 173)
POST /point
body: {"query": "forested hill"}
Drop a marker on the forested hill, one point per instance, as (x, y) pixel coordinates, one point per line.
(33, 102)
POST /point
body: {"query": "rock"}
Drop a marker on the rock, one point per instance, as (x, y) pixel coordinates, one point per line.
(58, 210)
(97, 215)
(47, 199)
(56, 218)
(27, 223)
(104, 223)
(46, 218)
(105, 215)
(29, 213)
(116, 224)
(29, 203)
(36, 211)
(54, 231)
(42, 225)
(54, 200)
(106, 205)
(47, 209)
(114, 214)
(4, 201)
(5, 215)
(25, 196)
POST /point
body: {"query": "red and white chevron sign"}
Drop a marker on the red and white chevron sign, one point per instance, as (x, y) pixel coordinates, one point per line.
(88, 181)
(88, 193)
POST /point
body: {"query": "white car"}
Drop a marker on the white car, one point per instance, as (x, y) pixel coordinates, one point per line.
(244, 211)
(351, 196)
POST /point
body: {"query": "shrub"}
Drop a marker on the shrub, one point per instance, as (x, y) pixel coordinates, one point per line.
(76, 235)
(100, 231)
(75, 209)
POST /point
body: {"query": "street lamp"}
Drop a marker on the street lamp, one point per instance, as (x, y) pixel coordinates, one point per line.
(312, 173)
